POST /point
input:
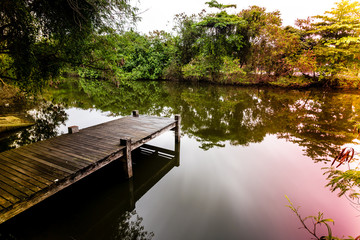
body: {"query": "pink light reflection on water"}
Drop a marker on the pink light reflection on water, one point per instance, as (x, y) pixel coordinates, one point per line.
(239, 192)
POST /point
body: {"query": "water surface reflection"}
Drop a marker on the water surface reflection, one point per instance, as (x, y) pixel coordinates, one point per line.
(242, 150)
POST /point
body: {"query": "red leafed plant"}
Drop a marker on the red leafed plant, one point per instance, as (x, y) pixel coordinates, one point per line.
(346, 155)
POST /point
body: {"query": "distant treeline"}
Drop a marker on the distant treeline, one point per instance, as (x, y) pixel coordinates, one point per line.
(249, 47)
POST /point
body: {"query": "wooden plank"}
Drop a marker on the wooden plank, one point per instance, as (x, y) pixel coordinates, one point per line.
(4, 202)
(103, 142)
(50, 161)
(25, 159)
(82, 149)
(53, 172)
(13, 174)
(110, 131)
(66, 153)
(143, 122)
(17, 194)
(150, 137)
(89, 146)
(8, 197)
(70, 150)
(21, 181)
(136, 136)
(110, 139)
(16, 185)
(122, 121)
(61, 159)
(25, 170)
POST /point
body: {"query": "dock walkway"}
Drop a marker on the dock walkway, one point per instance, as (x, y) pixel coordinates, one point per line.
(32, 173)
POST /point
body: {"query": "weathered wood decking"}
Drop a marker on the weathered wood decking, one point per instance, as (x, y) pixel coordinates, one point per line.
(32, 173)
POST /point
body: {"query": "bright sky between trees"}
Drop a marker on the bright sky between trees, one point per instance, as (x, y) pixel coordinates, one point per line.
(159, 14)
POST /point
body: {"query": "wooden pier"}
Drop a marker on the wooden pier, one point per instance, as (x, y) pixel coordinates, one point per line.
(32, 173)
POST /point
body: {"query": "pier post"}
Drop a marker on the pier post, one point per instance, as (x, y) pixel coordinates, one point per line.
(131, 195)
(177, 139)
(127, 155)
(73, 129)
(177, 128)
(135, 113)
(177, 154)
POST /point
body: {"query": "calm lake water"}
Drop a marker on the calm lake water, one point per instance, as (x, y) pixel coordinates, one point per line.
(242, 150)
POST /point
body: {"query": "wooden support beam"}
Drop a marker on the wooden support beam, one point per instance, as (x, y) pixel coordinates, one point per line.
(177, 128)
(135, 113)
(73, 129)
(132, 199)
(177, 154)
(126, 142)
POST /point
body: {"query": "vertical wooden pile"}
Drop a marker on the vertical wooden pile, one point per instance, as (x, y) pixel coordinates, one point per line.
(126, 142)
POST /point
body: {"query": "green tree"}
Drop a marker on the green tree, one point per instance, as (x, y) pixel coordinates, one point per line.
(271, 48)
(186, 45)
(222, 37)
(102, 60)
(206, 44)
(40, 37)
(127, 56)
(337, 34)
(186, 42)
(148, 56)
(256, 19)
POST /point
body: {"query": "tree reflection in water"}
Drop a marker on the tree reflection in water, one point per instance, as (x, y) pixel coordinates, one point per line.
(320, 122)
(47, 117)
(130, 228)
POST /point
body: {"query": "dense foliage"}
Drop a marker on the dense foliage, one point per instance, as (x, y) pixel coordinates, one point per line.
(129, 56)
(335, 40)
(40, 39)
(251, 46)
